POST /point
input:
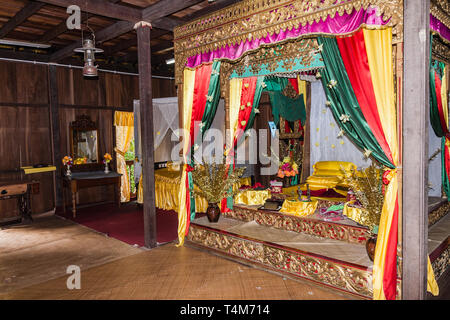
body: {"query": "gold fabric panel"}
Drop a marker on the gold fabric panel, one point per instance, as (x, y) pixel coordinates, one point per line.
(252, 197)
(299, 208)
(167, 188)
(122, 118)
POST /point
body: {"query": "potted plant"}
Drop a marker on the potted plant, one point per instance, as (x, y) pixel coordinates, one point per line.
(367, 186)
(214, 181)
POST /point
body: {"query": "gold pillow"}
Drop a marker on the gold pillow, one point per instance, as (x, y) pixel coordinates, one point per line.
(322, 167)
(173, 166)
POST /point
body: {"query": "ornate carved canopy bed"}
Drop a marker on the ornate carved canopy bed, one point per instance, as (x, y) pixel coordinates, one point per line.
(353, 48)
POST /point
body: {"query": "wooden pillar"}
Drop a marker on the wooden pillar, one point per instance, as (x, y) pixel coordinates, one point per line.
(55, 133)
(415, 148)
(146, 115)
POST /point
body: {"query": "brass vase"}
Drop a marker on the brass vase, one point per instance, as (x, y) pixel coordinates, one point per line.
(371, 244)
(213, 212)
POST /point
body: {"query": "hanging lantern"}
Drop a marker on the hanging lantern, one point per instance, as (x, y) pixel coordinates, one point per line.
(89, 50)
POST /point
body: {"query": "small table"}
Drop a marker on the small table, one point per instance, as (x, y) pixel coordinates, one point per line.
(80, 180)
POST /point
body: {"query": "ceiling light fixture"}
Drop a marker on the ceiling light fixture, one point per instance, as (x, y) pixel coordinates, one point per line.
(89, 50)
(170, 61)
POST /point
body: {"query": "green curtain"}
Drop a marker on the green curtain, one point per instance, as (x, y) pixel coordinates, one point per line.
(214, 92)
(207, 120)
(434, 110)
(343, 102)
(290, 109)
(444, 176)
(438, 68)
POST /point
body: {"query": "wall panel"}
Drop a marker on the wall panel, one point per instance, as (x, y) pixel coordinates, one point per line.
(25, 133)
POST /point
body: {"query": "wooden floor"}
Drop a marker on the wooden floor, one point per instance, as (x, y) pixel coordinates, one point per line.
(166, 272)
(169, 272)
(42, 250)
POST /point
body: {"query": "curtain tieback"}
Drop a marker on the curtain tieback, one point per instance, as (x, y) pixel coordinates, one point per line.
(388, 175)
(447, 142)
(119, 152)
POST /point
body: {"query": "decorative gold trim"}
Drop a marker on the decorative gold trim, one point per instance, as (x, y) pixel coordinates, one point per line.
(312, 227)
(440, 9)
(441, 49)
(338, 275)
(252, 19)
(435, 215)
(441, 263)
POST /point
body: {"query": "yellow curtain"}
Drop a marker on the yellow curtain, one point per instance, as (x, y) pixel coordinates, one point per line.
(302, 88)
(188, 96)
(124, 135)
(379, 52)
(140, 192)
(235, 104)
(122, 118)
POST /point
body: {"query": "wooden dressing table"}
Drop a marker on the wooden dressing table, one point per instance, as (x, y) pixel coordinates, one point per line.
(87, 179)
(87, 170)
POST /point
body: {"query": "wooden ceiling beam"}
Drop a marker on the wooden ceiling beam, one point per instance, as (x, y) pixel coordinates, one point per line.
(108, 33)
(62, 28)
(102, 8)
(164, 8)
(216, 5)
(27, 11)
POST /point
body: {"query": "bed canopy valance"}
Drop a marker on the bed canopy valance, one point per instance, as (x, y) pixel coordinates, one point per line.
(229, 33)
(350, 45)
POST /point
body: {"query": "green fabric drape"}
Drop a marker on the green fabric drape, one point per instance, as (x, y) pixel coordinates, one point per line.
(290, 109)
(434, 110)
(444, 176)
(207, 120)
(214, 92)
(437, 67)
(343, 102)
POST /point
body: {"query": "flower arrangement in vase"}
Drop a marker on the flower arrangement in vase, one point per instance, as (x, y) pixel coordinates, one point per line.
(80, 161)
(214, 181)
(288, 169)
(67, 161)
(367, 187)
(106, 160)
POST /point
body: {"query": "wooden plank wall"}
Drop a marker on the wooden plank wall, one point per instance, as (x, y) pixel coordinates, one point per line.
(25, 136)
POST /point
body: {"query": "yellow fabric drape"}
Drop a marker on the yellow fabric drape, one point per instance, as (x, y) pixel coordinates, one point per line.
(140, 192)
(379, 52)
(123, 118)
(167, 189)
(252, 197)
(235, 104)
(302, 88)
(299, 208)
(124, 135)
(188, 96)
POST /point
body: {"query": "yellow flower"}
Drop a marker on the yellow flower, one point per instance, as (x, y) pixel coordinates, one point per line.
(107, 157)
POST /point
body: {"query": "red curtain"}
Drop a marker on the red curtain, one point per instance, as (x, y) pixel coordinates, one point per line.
(354, 56)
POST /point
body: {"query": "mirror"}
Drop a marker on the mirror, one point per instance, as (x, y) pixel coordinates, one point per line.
(83, 140)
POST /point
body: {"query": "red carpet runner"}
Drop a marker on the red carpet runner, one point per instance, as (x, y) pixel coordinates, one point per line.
(125, 223)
